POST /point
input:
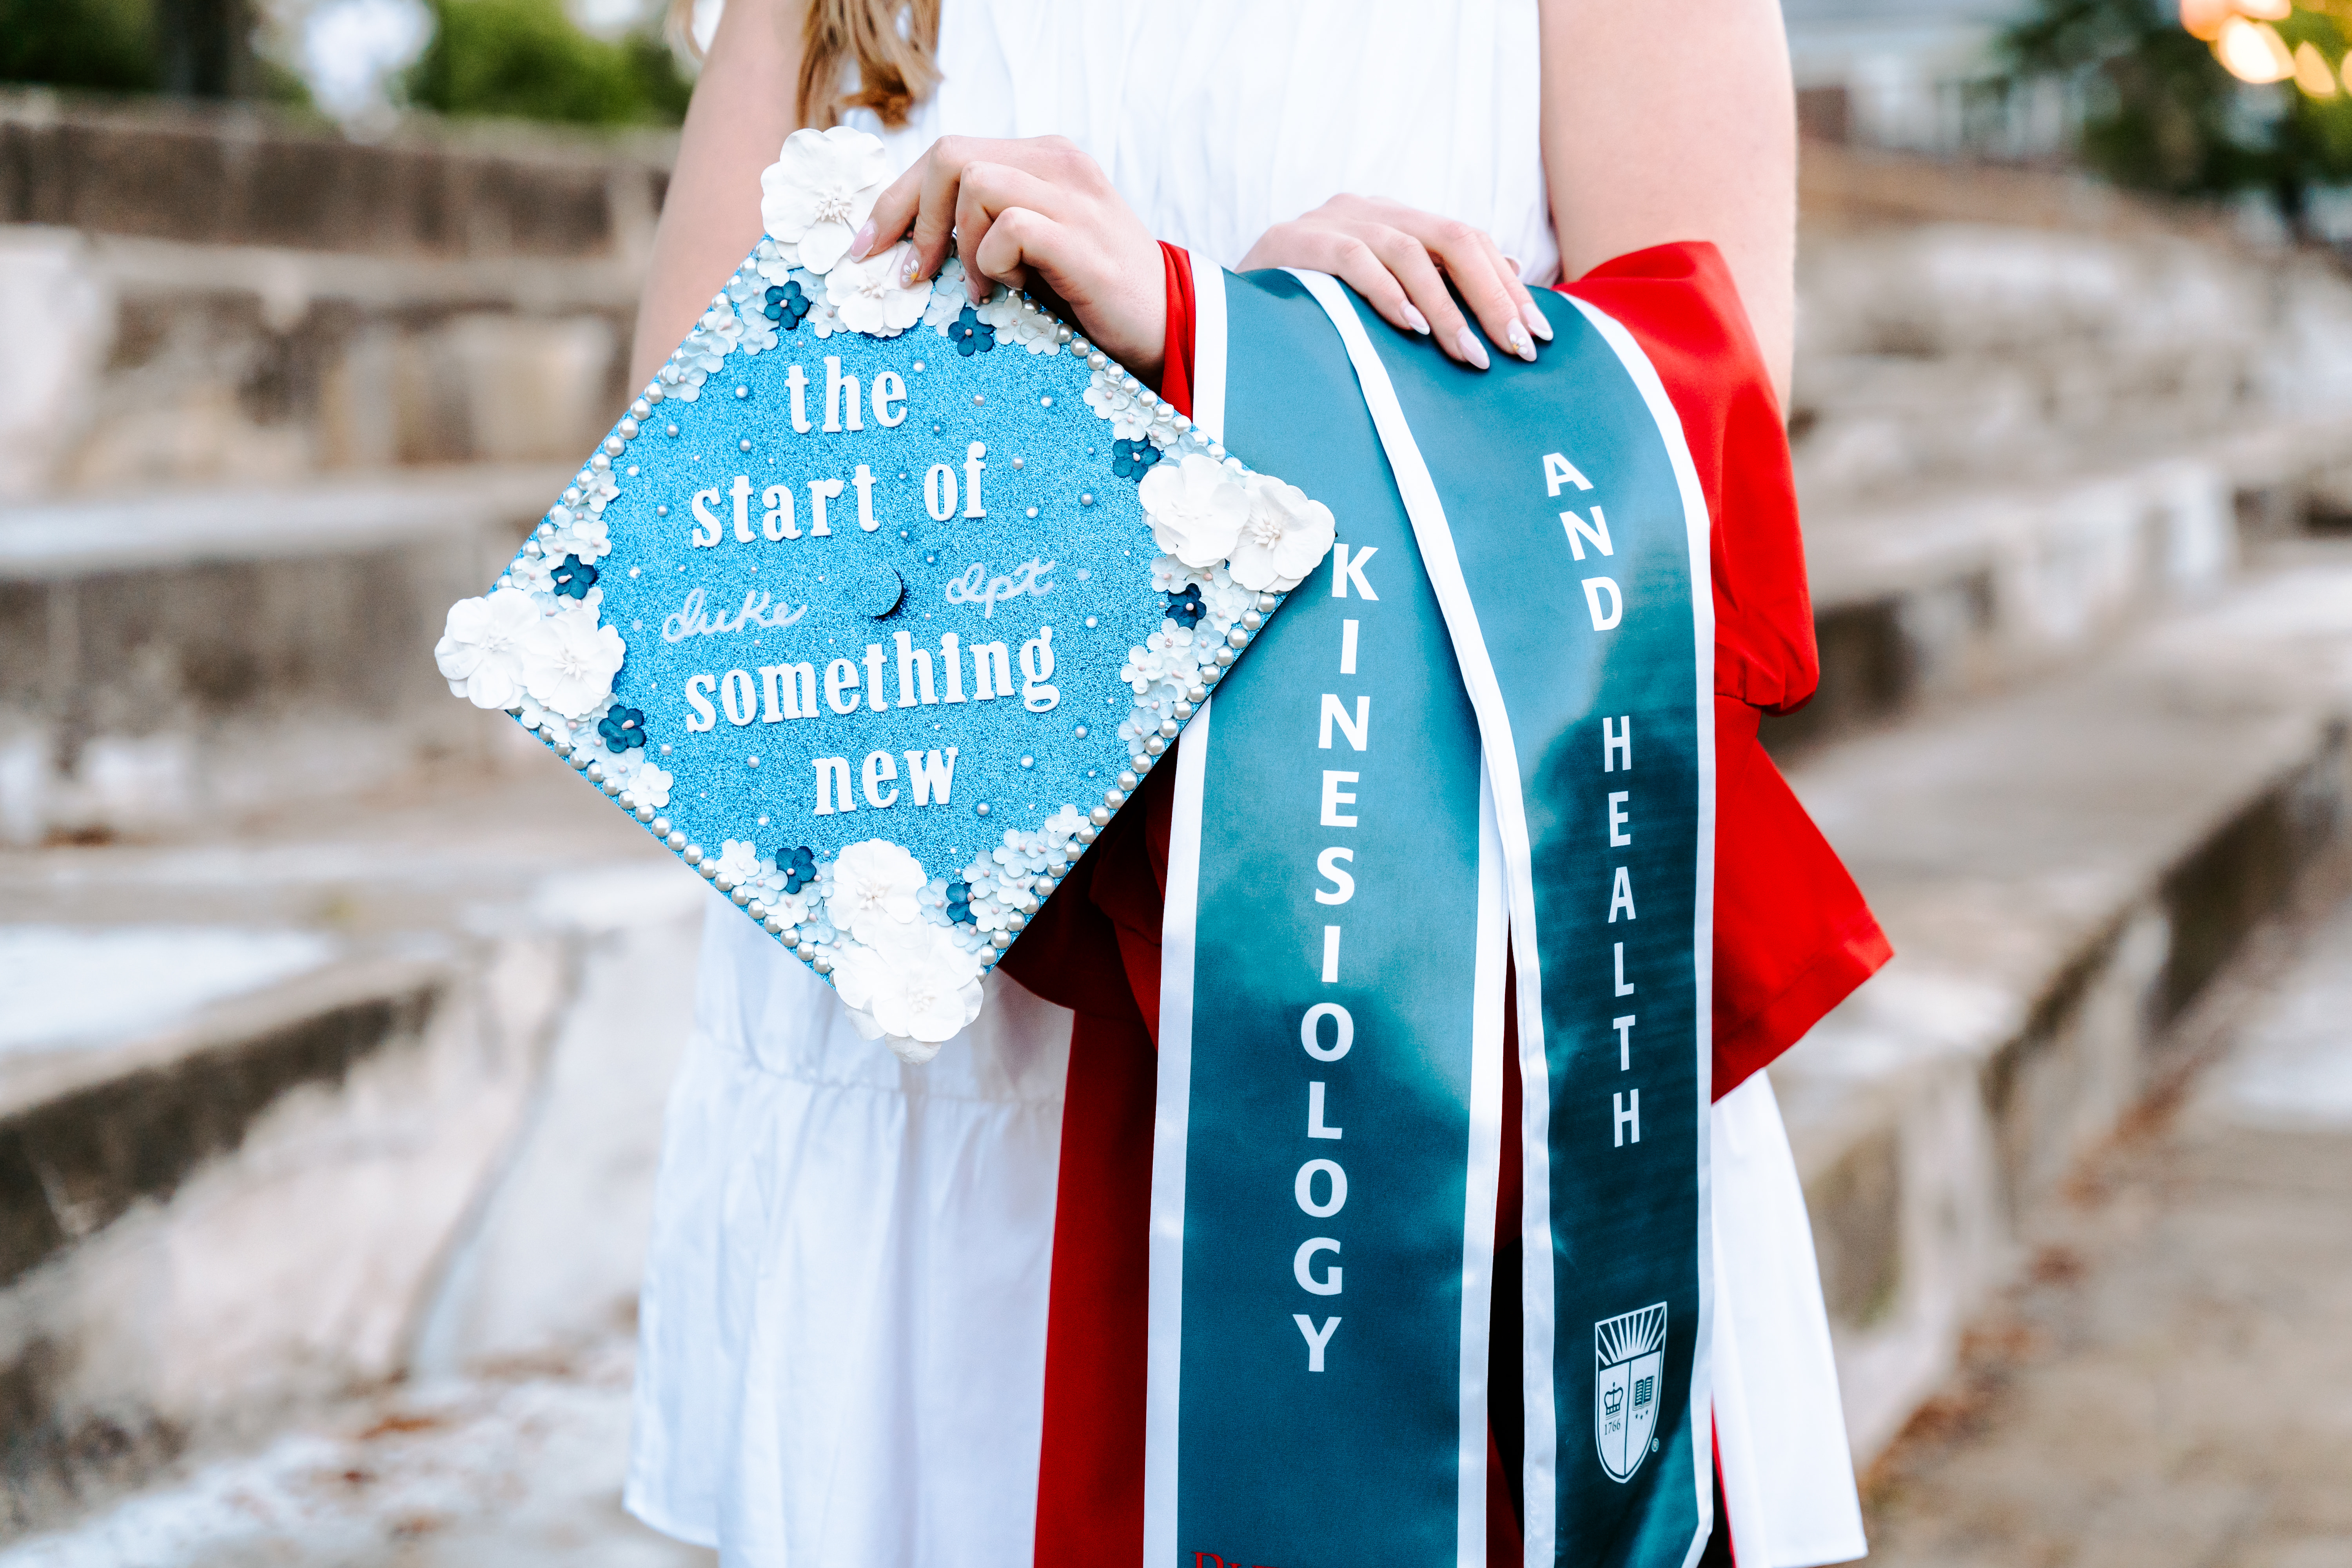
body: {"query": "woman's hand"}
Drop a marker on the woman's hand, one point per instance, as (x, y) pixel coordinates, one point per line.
(1039, 215)
(1400, 258)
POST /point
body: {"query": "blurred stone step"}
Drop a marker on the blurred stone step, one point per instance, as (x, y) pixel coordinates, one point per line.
(371, 1092)
(2062, 871)
(246, 173)
(145, 362)
(168, 657)
(1973, 590)
(1934, 352)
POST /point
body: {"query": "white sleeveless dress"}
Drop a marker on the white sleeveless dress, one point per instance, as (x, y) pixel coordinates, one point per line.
(843, 1339)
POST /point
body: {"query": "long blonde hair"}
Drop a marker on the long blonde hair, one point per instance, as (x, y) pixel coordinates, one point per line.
(892, 41)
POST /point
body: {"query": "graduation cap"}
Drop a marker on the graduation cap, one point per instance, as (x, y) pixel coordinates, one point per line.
(876, 603)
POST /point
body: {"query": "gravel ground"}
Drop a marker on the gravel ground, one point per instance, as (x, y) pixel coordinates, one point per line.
(2171, 1387)
(516, 1471)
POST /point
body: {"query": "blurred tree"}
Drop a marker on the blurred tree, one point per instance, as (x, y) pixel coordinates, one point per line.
(204, 48)
(2163, 113)
(526, 59)
(108, 45)
(193, 49)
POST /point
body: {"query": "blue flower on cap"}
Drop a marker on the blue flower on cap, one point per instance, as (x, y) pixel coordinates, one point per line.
(1132, 459)
(959, 903)
(1185, 608)
(573, 577)
(797, 867)
(622, 728)
(787, 304)
(972, 335)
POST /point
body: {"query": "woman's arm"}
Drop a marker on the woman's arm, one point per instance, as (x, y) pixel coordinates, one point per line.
(1664, 123)
(741, 112)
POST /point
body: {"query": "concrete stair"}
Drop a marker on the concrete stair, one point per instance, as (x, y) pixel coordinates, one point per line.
(165, 658)
(2062, 869)
(345, 1094)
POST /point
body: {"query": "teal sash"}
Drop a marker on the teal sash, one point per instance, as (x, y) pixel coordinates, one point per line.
(1486, 719)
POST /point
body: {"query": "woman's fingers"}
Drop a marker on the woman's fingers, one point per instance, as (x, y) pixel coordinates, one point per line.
(920, 206)
(1345, 256)
(986, 191)
(1068, 232)
(1508, 270)
(1016, 240)
(1420, 272)
(894, 211)
(1478, 273)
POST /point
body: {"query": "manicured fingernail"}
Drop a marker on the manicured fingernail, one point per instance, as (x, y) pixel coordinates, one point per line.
(1472, 349)
(911, 270)
(1536, 322)
(1415, 319)
(1521, 344)
(863, 240)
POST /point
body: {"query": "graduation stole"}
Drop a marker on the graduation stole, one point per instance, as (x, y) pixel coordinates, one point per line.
(1488, 719)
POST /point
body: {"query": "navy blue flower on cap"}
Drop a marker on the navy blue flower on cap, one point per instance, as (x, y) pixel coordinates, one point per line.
(787, 304)
(959, 903)
(797, 867)
(971, 335)
(573, 577)
(1185, 608)
(1132, 459)
(622, 728)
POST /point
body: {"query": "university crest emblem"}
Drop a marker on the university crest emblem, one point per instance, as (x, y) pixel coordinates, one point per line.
(1628, 1354)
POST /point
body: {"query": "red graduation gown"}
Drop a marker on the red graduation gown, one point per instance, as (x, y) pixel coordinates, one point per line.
(1792, 935)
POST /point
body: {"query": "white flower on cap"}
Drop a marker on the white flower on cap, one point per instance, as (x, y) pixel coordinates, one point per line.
(874, 886)
(568, 662)
(1287, 532)
(482, 645)
(868, 296)
(823, 184)
(1196, 506)
(737, 861)
(913, 988)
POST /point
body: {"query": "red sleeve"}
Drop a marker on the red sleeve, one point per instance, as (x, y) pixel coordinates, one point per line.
(1679, 301)
(1094, 947)
(1792, 934)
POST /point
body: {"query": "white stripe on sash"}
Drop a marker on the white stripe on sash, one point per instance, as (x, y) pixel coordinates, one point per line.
(1436, 539)
(1695, 528)
(1479, 1193)
(1165, 1343)
(1209, 350)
